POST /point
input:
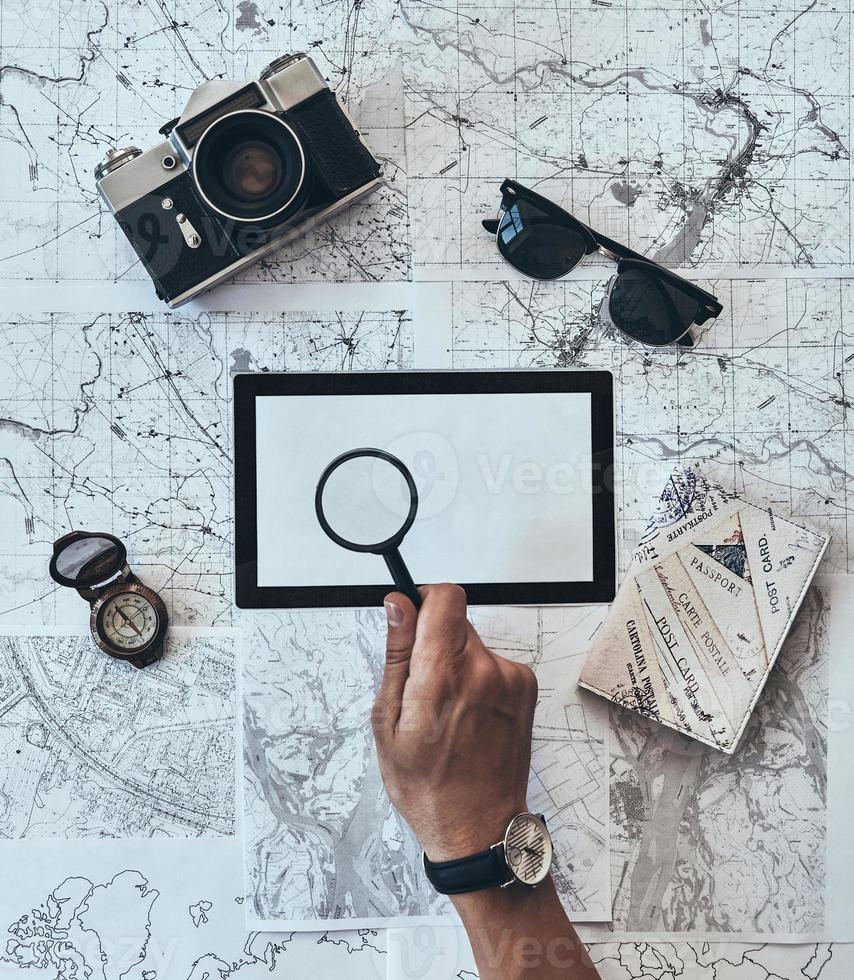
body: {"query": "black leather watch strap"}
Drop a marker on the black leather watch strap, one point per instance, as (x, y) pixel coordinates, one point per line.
(487, 869)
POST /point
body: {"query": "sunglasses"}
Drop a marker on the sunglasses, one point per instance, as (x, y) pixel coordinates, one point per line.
(646, 302)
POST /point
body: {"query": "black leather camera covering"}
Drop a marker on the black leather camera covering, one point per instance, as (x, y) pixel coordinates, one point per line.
(339, 157)
(157, 238)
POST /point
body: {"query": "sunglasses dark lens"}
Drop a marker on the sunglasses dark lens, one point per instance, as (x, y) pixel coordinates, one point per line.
(536, 242)
(649, 309)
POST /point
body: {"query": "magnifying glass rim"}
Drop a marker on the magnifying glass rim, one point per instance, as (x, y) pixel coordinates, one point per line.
(398, 536)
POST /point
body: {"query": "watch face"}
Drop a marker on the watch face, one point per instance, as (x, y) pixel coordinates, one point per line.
(128, 621)
(528, 849)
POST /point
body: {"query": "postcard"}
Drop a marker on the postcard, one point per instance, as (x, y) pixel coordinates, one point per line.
(710, 595)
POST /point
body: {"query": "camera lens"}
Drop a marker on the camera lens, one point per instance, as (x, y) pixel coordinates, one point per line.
(249, 166)
(252, 170)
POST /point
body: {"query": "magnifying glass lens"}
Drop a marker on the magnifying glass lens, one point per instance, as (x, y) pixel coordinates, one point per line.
(366, 500)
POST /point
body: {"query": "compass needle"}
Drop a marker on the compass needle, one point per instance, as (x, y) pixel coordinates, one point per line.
(128, 620)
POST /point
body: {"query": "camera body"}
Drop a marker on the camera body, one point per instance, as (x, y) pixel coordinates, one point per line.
(247, 167)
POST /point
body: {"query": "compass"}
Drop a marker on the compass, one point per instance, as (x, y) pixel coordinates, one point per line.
(128, 620)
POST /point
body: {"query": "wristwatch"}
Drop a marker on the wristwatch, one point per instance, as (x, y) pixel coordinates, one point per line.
(127, 619)
(524, 855)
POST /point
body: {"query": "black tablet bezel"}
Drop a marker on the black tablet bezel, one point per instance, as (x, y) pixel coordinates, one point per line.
(247, 387)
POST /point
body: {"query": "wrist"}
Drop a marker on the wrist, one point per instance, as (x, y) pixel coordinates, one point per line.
(498, 903)
(521, 933)
(448, 841)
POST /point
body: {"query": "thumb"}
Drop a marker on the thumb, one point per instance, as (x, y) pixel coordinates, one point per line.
(401, 617)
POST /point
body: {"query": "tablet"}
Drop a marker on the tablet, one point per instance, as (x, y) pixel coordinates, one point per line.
(513, 471)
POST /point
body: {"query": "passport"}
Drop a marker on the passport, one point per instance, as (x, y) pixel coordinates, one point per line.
(711, 592)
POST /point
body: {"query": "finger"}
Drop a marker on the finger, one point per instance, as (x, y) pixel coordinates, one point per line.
(442, 629)
(401, 617)
(529, 687)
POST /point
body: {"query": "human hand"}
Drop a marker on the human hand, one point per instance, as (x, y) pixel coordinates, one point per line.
(452, 722)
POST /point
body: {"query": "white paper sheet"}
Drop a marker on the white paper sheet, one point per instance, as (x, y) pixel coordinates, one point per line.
(445, 954)
(139, 909)
(503, 485)
(323, 846)
(92, 747)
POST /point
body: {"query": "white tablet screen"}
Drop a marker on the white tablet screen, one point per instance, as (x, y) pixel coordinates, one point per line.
(504, 484)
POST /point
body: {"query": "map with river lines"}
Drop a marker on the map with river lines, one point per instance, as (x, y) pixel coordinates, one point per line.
(715, 138)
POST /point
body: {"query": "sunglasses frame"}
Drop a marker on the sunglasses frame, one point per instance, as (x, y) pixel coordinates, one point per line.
(512, 190)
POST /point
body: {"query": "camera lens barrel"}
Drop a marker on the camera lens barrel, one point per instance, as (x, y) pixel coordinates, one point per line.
(249, 166)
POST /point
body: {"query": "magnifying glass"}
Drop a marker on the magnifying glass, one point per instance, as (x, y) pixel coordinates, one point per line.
(366, 501)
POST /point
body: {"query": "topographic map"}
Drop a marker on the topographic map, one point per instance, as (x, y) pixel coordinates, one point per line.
(698, 134)
(94, 748)
(122, 423)
(763, 395)
(709, 843)
(712, 137)
(322, 841)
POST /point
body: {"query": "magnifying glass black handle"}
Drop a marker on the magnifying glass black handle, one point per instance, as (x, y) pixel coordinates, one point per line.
(401, 576)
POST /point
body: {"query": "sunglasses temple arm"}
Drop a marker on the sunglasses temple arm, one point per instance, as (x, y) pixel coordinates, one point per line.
(400, 575)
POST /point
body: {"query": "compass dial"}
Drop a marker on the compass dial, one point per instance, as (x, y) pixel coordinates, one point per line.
(528, 849)
(128, 621)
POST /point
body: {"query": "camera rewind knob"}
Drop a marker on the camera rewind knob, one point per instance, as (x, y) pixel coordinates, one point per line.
(114, 158)
(281, 62)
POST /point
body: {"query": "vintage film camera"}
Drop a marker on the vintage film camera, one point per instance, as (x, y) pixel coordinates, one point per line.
(244, 169)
